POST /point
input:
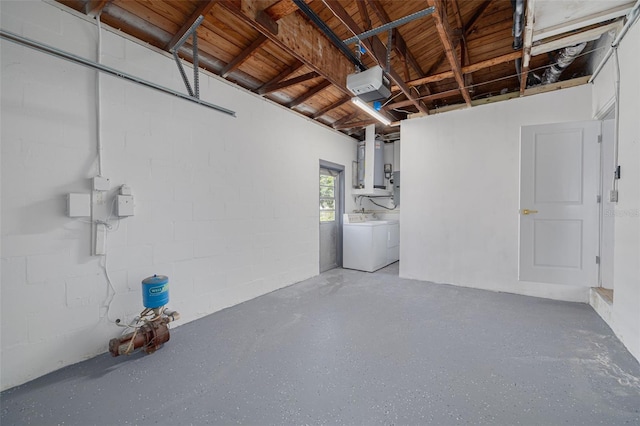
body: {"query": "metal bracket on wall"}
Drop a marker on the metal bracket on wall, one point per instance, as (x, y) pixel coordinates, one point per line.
(195, 92)
(15, 38)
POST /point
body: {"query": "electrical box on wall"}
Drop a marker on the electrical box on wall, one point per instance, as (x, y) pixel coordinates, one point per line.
(101, 183)
(78, 205)
(124, 205)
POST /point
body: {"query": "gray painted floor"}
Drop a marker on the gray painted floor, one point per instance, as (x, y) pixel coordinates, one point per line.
(350, 347)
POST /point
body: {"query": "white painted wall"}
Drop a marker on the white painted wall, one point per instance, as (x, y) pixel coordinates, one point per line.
(626, 264)
(460, 192)
(226, 207)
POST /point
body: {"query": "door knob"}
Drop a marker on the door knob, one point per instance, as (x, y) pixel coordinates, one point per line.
(527, 211)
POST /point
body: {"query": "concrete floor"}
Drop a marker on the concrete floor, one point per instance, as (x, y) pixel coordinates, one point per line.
(350, 347)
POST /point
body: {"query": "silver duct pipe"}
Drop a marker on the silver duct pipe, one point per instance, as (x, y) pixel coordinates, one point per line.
(563, 59)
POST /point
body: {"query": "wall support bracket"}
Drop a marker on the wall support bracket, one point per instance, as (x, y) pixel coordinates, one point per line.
(195, 92)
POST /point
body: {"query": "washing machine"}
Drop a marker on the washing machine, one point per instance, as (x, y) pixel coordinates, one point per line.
(365, 244)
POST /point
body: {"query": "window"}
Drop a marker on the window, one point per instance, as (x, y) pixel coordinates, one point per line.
(327, 198)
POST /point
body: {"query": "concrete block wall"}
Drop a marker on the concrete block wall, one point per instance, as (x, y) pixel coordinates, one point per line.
(226, 207)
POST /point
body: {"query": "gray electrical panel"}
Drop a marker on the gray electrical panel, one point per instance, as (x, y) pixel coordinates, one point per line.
(396, 188)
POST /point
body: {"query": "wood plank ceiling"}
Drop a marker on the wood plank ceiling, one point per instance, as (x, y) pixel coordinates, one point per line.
(459, 54)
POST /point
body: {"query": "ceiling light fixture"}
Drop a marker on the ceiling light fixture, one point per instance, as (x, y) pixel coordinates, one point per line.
(372, 112)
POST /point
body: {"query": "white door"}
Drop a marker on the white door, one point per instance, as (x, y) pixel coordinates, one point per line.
(559, 172)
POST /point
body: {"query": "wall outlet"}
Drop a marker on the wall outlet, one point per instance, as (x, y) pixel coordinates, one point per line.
(124, 206)
(78, 205)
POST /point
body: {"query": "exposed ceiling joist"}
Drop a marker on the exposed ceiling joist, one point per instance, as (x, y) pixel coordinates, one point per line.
(364, 15)
(466, 69)
(287, 83)
(468, 27)
(318, 54)
(375, 49)
(355, 125)
(445, 33)
(243, 56)
(400, 41)
(281, 9)
(309, 94)
(433, 97)
(347, 118)
(330, 107)
(290, 70)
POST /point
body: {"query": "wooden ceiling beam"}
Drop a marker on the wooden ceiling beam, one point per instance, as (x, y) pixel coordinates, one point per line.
(466, 69)
(290, 70)
(328, 108)
(281, 9)
(464, 52)
(203, 8)
(445, 33)
(466, 31)
(269, 88)
(318, 54)
(309, 94)
(243, 56)
(364, 15)
(377, 7)
(94, 7)
(375, 49)
(432, 97)
(347, 118)
(356, 124)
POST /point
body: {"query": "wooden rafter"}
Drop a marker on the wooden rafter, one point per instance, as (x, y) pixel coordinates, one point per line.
(354, 125)
(466, 69)
(364, 15)
(466, 31)
(290, 70)
(330, 107)
(401, 45)
(281, 8)
(347, 118)
(375, 49)
(309, 94)
(445, 33)
(331, 64)
(203, 8)
(274, 87)
(243, 56)
(432, 97)
(464, 51)
(95, 7)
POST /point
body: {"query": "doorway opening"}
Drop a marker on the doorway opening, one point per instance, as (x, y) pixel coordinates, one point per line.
(331, 206)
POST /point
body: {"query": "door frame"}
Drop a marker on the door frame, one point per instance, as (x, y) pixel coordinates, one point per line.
(339, 208)
(592, 275)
